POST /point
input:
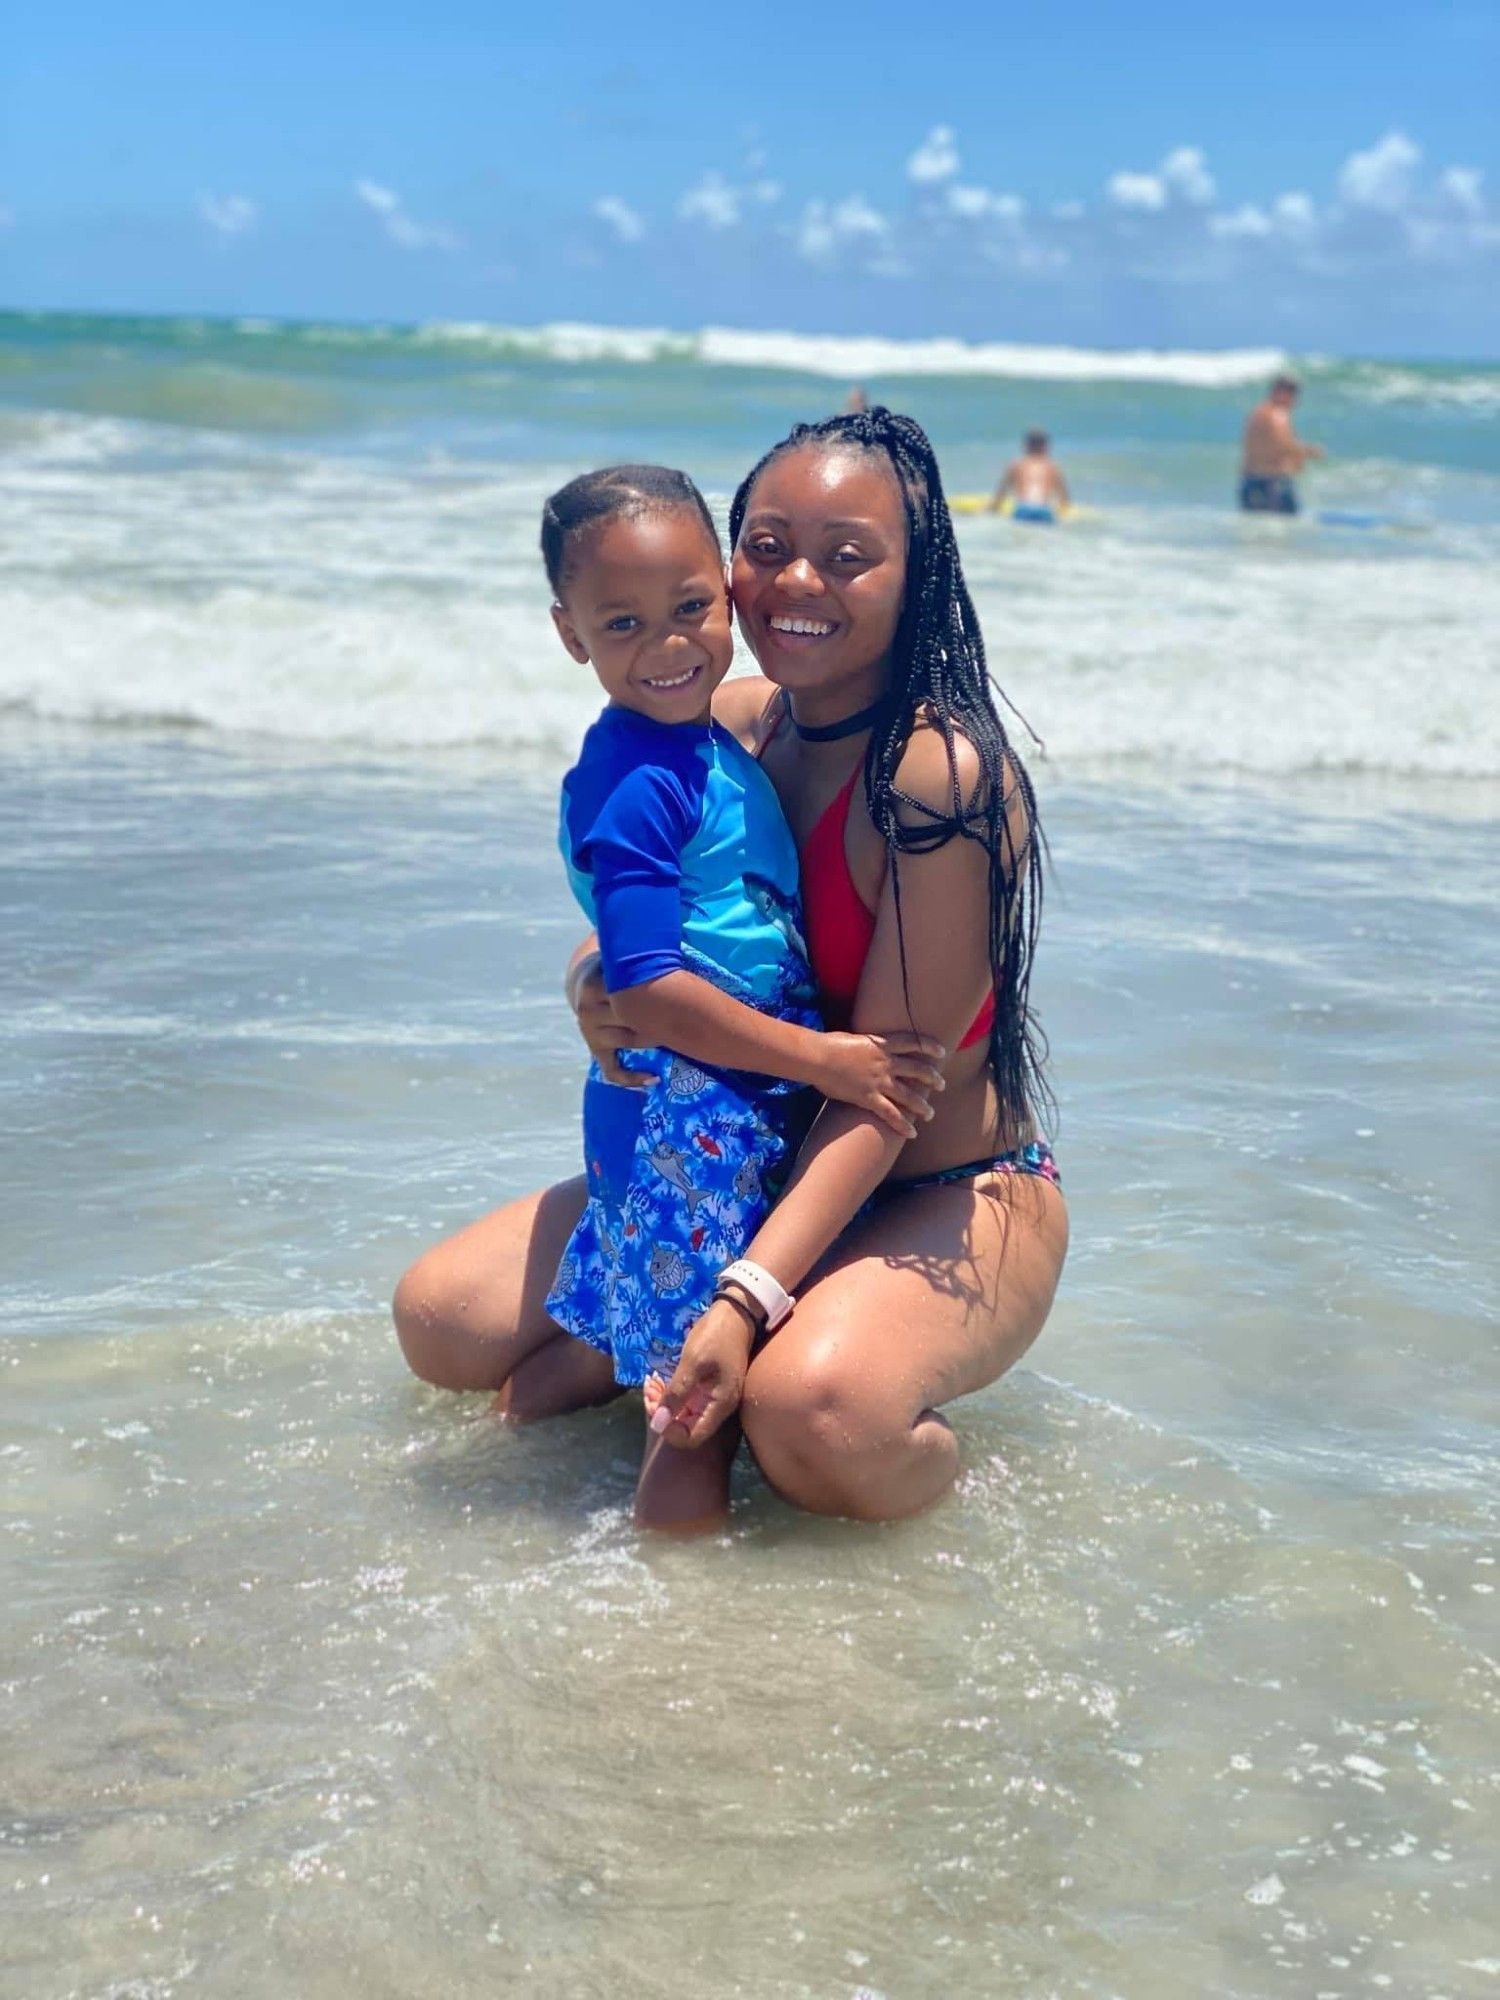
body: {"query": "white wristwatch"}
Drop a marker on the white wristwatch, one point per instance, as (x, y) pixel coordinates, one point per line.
(774, 1300)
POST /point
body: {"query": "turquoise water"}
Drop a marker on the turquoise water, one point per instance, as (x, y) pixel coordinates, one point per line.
(315, 1678)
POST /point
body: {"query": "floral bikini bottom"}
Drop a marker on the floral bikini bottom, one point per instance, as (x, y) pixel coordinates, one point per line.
(1033, 1158)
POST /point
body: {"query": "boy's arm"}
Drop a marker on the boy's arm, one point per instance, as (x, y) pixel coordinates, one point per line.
(892, 1075)
(1007, 480)
(634, 853)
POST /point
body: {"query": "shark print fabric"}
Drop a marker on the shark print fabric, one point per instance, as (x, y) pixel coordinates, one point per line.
(708, 1160)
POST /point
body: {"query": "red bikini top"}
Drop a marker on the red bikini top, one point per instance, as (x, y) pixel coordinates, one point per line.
(839, 925)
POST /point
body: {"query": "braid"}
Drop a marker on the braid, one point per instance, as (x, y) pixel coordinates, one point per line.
(939, 673)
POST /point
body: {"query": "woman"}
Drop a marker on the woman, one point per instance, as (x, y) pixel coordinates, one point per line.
(922, 1269)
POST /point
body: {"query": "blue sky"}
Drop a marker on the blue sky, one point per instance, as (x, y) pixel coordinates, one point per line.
(1315, 176)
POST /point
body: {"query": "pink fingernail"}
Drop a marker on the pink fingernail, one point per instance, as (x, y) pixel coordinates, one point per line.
(660, 1419)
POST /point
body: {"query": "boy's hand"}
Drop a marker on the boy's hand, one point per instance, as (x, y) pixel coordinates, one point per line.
(598, 1024)
(708, 1381)
(894, 1075)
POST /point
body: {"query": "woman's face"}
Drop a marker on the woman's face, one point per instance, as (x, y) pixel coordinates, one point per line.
(819, 571)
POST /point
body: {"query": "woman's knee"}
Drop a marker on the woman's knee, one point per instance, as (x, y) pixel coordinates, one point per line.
(412, 1310)
(426, 1314)
(831, 1439)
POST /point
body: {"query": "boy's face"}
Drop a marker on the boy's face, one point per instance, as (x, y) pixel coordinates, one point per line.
(644, 601)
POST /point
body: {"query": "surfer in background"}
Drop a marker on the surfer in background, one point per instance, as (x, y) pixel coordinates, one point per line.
(1273, 453)
(1033, 484)
(856, 402)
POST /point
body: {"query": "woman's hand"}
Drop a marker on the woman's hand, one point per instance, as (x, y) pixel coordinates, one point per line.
(598, 1024)
(708, 1381)
(894, 1075)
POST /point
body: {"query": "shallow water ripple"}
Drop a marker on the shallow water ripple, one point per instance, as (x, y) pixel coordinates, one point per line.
(318, 1678)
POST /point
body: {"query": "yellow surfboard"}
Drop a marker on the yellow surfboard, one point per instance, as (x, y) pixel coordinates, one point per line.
(979, 503)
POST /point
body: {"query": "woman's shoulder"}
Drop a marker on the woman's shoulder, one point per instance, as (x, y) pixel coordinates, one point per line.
(928, 768)
(740, 706)
(926, 775)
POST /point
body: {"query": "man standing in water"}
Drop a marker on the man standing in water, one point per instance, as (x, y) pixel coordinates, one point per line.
(1273, 453)
(1033, 483)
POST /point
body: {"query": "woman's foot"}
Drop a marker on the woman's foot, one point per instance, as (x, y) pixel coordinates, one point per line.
(686, 1492)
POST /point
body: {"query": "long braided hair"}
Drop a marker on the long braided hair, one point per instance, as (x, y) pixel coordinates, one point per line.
(939, 675)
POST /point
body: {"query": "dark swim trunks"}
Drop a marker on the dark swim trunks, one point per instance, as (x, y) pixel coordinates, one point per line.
(1268, 493)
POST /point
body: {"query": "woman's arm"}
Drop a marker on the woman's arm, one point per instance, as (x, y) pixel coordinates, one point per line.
(945, 928)
(892, 1075)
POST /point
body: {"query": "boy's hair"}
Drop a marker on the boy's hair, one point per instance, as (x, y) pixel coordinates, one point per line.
(1036, 440)
(600, 496)
(939, 671)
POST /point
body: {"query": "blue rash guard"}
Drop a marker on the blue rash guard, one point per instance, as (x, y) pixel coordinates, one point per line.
(678, 853)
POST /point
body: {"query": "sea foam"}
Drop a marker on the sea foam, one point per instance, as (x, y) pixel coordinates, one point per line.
(855, 356)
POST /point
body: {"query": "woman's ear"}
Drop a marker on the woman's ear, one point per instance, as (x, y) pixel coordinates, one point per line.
(729, 586)
(568, 633)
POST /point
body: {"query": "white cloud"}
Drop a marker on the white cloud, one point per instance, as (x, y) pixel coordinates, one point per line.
(712, 201)
(1295, 213)
(970, 201)
(1185, 172)
(1381, 178)
(936, 159)
(229, 214)
(721, 204)
(1139, 191)
(1181, 175)
(854, 217)
(827, 227)
(973, 203)
(1067, 211)
(403, 229)
(816, 238)
(1461, 186)
(1246, 220)
(620, 217)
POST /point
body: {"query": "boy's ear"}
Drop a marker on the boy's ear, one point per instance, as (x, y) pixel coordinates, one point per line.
(567, 632)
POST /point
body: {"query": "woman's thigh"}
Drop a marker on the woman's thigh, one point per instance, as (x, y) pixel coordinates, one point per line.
(933, 1296)
(472, 1307)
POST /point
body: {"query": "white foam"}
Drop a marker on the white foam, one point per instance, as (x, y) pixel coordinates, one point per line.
(835, 355)
(842, 356)
(328, 600)
(1476, 394)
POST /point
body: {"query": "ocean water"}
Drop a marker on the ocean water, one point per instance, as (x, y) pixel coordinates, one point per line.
(315, 1677)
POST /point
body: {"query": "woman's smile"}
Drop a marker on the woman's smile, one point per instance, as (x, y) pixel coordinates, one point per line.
(800, 631)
